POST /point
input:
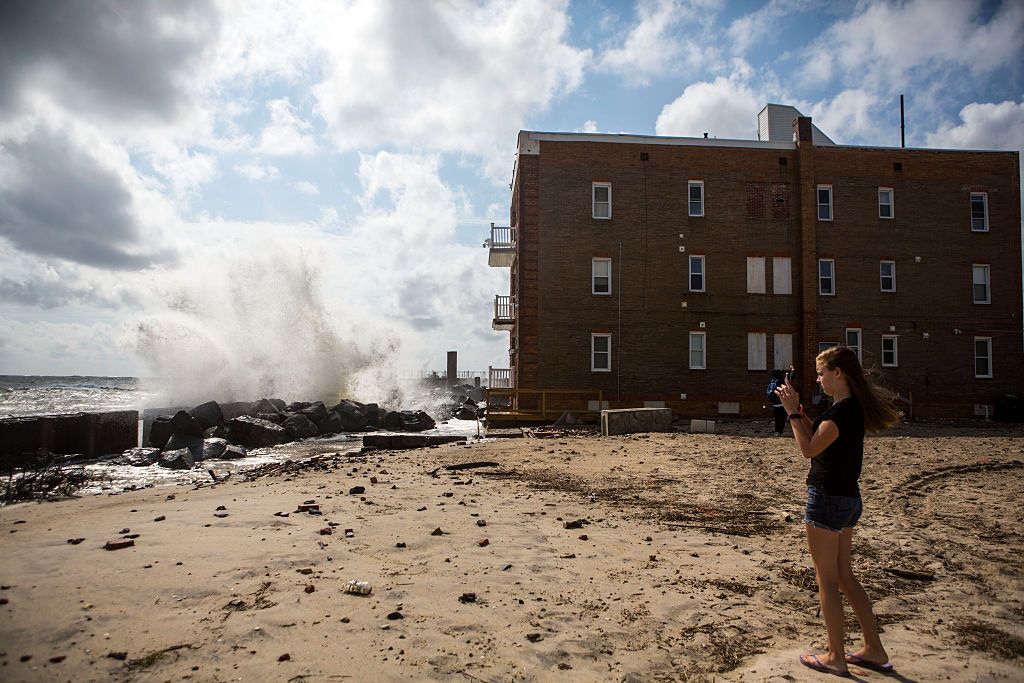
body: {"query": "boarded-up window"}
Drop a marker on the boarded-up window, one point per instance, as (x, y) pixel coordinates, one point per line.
(782, 277)
(755, 275)
(783, 351)
(757, 351)
(780, 200)
(755, 200)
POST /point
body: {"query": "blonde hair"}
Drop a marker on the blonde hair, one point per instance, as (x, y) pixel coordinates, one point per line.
(879, 411)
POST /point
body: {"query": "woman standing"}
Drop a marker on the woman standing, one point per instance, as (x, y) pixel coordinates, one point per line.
(834, 443)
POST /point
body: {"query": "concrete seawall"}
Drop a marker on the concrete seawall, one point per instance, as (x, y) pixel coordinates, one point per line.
(88, 434)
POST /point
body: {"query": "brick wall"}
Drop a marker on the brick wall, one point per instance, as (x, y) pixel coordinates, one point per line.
(557, 238)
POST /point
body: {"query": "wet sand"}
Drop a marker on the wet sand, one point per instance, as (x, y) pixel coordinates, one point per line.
(683, 560)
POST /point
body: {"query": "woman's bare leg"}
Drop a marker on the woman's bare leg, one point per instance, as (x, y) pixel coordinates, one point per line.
(872, 650)
(824, 546)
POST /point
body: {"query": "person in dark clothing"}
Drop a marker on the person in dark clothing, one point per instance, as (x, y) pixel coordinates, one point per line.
(834, 443)
(778, 411)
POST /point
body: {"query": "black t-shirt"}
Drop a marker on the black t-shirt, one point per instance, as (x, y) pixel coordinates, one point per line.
(837, 468)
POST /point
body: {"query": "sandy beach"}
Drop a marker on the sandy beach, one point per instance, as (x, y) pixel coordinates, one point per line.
(646, 557)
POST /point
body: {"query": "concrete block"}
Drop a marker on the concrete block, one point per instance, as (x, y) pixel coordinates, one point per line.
(728, 408)
(88, 434)
(702, 426)
(632, 420)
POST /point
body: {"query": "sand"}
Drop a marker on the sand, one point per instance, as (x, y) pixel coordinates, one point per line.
(687, 562)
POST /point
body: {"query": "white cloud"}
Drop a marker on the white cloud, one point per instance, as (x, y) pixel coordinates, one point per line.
(884, 45)
(984, 125)
(652, 49)
(457, 77)
(287, 134)
(589, 126)
(750, 29)
(724, 108)
(256, 171)
(847, 116)
(306, 187)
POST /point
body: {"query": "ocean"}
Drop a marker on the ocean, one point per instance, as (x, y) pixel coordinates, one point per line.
(26, 395)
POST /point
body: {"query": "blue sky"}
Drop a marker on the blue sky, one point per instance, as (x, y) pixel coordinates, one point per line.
(229, 192)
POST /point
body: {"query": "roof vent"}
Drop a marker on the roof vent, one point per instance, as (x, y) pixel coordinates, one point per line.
(898, 166)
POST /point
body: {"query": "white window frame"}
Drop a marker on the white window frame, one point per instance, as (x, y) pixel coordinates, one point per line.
(891, 203)
(987, 270)
(881, 277)
(703, 351)
(755, 268)
(988, 357)
(703, 273)
(831, 278)
(817, 199)
(984, 219)
(858, 333)
(594, 203)
(593, 353)
(689, 201)
(824, 345)
(782, 275)
(594, 276)
(757, 351)
(895, 350)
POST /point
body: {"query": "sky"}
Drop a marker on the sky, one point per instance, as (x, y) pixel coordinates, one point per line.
(222, 189)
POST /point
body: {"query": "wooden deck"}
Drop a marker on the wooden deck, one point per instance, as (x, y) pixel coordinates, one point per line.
(531, 407)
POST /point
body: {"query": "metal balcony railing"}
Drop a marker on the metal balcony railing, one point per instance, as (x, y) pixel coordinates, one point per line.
(502, 246)
(499, 378)
(504, 313)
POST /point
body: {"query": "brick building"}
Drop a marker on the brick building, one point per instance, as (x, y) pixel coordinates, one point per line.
(681, 271)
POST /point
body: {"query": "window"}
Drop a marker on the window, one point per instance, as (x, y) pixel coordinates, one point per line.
(981, 288)
(887, 275)
(824, 346)
(783, 351)
(824, 202)
(979, 212)
(601, 276)
(600, 353)
(782, 278)
(697, 355)
(757, 351)
(885, 206)
(890, 354)
(602, 196)
(826, 277)
(755, 275)
(696, 194)
(696, 273)
(853, 339)
(983, 357)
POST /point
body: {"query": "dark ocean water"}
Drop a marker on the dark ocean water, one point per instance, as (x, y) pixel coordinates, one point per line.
(38, 395)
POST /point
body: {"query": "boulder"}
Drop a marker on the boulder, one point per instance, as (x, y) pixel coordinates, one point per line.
(234, 409)
(186, 425)
(374, 415)
(217, 432)
(465, 412)
(315, 412)
(209, 414)
(252, 432)
(276, 418)
(141, 457)
(233, 452)
(331, 424)
(264, 405)
(161, 430)
(214, 448)
(408, 421)
(299, 426)
(352, 417)
(296, 406)
(180, 459)
(193, 443)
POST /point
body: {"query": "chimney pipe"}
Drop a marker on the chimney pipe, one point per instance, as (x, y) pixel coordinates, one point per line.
(903, 139)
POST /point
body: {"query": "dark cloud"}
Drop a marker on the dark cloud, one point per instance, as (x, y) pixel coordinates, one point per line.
(41, 294)
(65, 203)
(123, 59)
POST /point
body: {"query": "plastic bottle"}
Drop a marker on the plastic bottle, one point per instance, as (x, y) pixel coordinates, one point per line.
(358, 587)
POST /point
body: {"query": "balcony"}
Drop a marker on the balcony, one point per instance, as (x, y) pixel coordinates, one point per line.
(499, 378)
(502, 247)
(504, 313)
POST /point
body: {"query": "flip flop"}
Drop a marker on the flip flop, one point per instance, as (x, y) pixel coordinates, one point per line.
(861, 662)
(812, 662)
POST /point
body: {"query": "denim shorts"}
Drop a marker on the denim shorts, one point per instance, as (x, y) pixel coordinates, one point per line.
(834, 513)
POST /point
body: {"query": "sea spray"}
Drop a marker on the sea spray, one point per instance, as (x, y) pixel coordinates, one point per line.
(259, 328)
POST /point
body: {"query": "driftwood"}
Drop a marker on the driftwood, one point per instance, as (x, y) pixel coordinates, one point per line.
(465, 466)
(44, 477)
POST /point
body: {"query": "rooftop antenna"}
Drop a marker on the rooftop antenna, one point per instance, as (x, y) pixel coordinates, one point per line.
(903, 138)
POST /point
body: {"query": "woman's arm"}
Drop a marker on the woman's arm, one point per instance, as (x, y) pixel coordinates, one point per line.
(811, 444)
